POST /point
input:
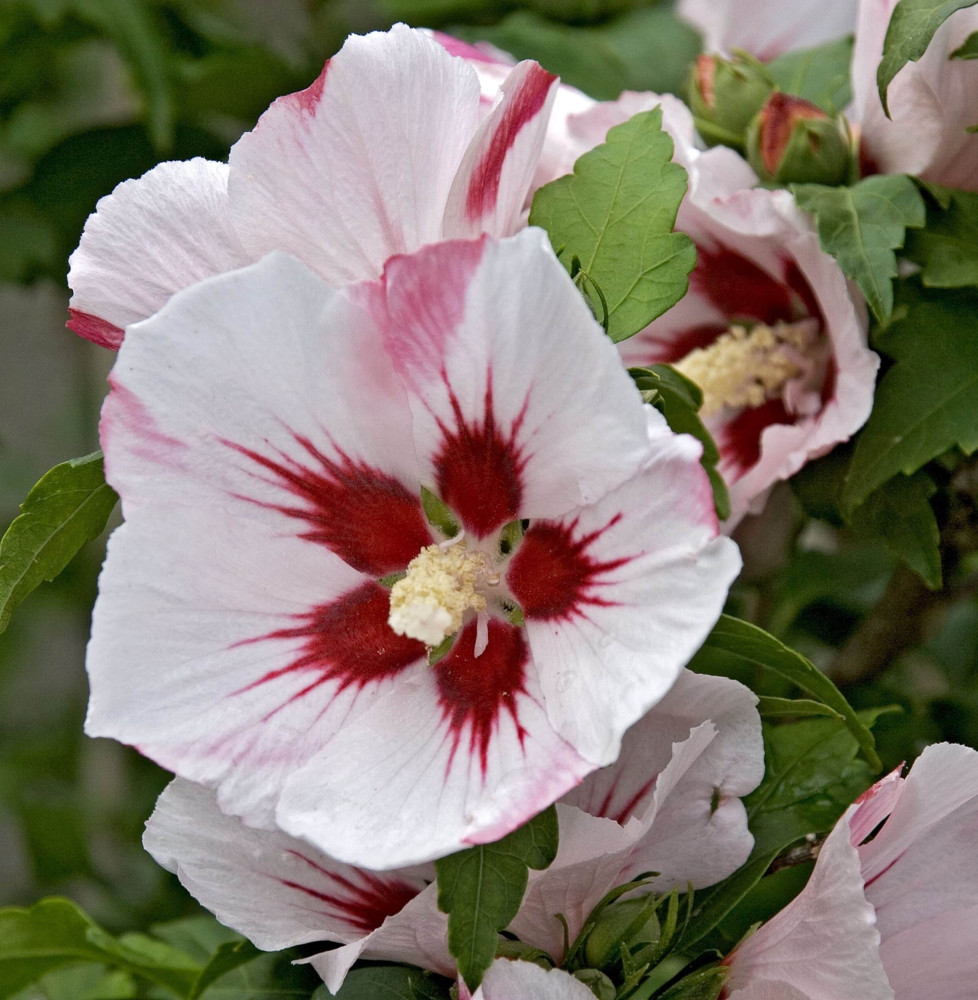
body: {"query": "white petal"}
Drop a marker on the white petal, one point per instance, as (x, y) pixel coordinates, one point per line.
(358, 167)
(148, 239)
(618, 595)
(508, 980)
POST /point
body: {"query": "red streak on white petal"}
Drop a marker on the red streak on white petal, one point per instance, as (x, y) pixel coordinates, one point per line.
(478, 469)
(363, 907)
(475, 691)
(522, 107)
(368, 518)
(739, 439)
(738, 288)
(552, 575)
(307, 101)
(94, 328)
(621, 815)
(346, 642)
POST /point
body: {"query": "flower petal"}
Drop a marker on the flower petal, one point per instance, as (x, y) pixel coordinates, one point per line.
(507, 980)
(492, 339)
(148, 239)
(359, 166)
(618, 595)
(477, 759)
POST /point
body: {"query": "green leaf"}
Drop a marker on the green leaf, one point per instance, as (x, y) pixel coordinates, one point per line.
(820, 75)
(968, 49)
(911, 28)
(66, 508)
(947, 248)
(229, 956)
(925, 403)
(771, 707)
(678, 399)
(481, 890)
(900, 513)
(705, 984)
(615, 213)
(752, 643)
(82, 982)
(131, 25)
(55, 932)
(862, 225)
(388, 982)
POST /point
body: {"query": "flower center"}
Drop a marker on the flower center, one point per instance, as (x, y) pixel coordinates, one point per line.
(742, 368)
(441, 584)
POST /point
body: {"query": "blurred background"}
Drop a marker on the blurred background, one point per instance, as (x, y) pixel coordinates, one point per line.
(96, 91)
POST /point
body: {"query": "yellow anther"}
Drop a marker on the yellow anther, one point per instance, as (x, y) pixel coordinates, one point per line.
(441, 584)
(742, 368)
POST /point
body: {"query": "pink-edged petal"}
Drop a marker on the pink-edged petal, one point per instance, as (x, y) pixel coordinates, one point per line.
(359, 166)
(874, 805)
(934, 959)
(148, 239)
(252, 395)
(619, 594)
(494, 178)
(591, 857)
(768, 28)
(824, 943)
(476, 759)
(931, 102)
(266, 885)
(683, 770)
(508, 980)
(231, 653)
(923, 861)
(492, 339)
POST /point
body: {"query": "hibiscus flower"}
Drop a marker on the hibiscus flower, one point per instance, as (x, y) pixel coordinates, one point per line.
(889, 916)
(272, 612)
(392, 147)
(670, 803)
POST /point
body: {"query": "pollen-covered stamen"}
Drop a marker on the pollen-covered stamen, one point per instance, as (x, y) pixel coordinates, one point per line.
(441, 584)
(744, 367)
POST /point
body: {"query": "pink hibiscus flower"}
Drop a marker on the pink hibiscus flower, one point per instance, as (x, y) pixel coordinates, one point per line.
(392, 147)
(884, 917)
(267, 610)
(670, 803)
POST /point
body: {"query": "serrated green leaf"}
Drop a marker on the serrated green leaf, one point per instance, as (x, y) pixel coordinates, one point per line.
(968, 49)
(67, 507)
(900, 513)
(616, 214)
(678, 399)
(770, 707)
(925, 403)
(55, 932)
(911, 28)
(388, 982)
(752, 643)
(861, 226)
(481, 890)
(820, 75)
(947, 247)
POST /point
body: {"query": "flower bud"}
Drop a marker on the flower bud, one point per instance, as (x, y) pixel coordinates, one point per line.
(725, 94)
(793, 141)
(627, 922)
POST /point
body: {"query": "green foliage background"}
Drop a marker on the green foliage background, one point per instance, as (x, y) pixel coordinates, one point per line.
(96, 91)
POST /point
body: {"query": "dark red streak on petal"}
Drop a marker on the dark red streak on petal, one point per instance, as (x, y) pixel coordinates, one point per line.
(688, 340)
(475, 691)
(621, 815)
(740, 289)
(308, 100)
(551, 574)
(798, 283)
(478, 470)
(740, 439)
(347, 641)
(369, 519)
(94, 328)
(522, 106)
(363, 907)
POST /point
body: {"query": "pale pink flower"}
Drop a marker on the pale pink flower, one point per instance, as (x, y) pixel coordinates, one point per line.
(391, 148)
(671, 803)
(768, 28)
(270, 437)
(893, 917)
(932, 103)
(506, 980)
